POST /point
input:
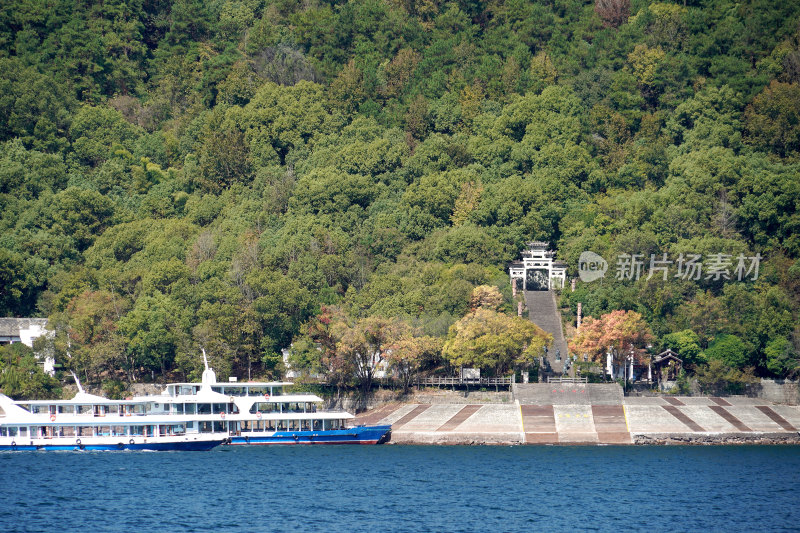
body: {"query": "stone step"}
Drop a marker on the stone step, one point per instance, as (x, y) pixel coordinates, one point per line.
(543, 312)
(568, 393)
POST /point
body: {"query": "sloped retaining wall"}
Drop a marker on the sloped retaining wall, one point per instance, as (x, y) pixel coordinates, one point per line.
(716, 439)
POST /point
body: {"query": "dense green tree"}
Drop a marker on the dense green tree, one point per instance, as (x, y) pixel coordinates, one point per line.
(687, 345)
(773, 118)
(21, 375)
(245, 174)
(729, 349)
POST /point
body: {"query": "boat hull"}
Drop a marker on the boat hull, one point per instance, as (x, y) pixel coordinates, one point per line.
(187, 445)
(355, 435)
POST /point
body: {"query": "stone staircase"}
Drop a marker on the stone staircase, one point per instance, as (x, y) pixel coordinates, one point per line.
(543, 312)
(568, 393)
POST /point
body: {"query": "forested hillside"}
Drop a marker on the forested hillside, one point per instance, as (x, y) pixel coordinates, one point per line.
(241, 175)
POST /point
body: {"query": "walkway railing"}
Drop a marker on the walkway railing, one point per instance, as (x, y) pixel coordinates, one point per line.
(554, 379)
(437, 381)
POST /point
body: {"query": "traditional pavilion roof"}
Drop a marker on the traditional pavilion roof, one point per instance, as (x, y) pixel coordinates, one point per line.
(538, 245)
(665, 355)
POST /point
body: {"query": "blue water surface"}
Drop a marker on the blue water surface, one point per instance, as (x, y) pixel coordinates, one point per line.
(404, 488)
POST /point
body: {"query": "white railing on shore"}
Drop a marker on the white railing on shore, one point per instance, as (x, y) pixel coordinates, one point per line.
(447, 380)
(554, 379)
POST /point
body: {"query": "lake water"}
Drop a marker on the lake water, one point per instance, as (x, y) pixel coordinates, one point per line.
(404, 488)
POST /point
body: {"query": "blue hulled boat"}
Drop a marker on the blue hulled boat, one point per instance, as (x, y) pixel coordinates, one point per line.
(349, 435)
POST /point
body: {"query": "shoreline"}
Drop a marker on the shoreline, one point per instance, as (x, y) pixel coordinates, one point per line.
(765, 439)
(586, 414)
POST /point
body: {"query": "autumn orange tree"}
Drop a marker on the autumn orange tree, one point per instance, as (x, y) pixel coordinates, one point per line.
(366, 345)
(345, 349)
(617, 332)
(315, 349)
(410, 353)
(486, 338)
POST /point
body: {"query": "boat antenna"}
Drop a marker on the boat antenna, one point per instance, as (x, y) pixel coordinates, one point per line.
(77, 382)
(209, 377)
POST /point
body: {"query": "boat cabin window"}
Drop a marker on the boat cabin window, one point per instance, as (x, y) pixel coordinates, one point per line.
(171, 429)
(177, 409)
(66, 409)
(203, 408)
(217, 408)
(111, 431)
(263, 407)
(135, 409)
(230, 391)
(298, 407)
(157, 407)
(190, 408)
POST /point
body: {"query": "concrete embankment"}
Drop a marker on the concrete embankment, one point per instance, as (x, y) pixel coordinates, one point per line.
(589, 414)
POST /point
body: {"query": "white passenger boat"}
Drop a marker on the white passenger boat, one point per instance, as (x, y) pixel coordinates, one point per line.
(90, 422)
(262, 413)
(186, 416)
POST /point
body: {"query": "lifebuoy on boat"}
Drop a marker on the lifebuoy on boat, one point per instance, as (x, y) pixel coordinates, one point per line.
(258, 414)
(78, 442)
(53, 417)
(14, 444)
(130, 442)
(266, 396)
(222, 415)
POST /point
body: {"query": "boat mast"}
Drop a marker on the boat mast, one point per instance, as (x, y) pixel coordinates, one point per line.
(77, 382)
